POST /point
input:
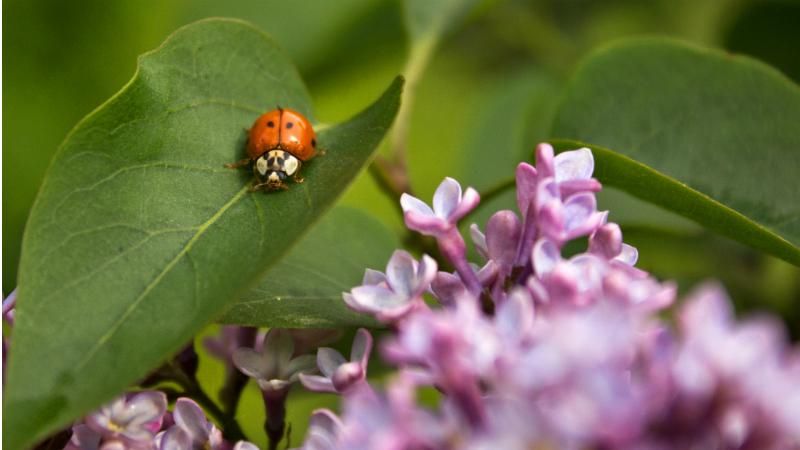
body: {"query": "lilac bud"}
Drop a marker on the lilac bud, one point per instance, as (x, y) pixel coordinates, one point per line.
(502, 239)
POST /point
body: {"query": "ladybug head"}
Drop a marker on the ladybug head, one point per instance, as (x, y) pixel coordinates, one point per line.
(274, 166)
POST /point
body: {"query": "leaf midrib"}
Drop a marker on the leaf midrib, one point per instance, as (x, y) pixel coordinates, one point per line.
(184, 252)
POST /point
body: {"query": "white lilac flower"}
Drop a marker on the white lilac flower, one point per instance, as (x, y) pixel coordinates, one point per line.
(338, 374)
(273, 366)
(391, 296)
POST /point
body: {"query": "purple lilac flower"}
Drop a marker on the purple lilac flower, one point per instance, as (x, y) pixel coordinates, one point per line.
(573, 353)
(133, 419)
(556, 198)
(338, 374)
(9, 303)
(449, 206)
(273, 367)
(393, 295)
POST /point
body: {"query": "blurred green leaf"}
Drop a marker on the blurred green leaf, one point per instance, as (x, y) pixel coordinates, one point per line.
(719, 131)
(139, 236)
(305, 288)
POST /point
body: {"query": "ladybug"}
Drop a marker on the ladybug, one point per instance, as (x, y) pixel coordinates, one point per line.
(278, 144)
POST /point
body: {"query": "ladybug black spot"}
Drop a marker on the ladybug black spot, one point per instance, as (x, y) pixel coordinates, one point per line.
(289, 125)
(313, 142)
(270, 162)
(271, 124)
(280, 161)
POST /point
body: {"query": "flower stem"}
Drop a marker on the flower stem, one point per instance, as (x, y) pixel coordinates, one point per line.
(275, 424)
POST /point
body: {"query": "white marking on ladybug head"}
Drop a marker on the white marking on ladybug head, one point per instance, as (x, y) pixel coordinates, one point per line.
(290, 165)
(261, 165)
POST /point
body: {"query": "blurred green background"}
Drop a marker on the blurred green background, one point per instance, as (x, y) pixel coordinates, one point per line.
(492, 84)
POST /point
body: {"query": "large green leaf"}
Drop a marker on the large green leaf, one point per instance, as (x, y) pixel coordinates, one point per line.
(305, 288)
(722, 128)
(139, 236)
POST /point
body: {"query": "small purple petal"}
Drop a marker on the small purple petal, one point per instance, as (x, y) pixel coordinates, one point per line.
(323, 431)
(479, 240)
(574, 165)
(572, 187)
(426, 273)
(278, 346)
(578, 210)
(515, 315)
(546, 256)
(191, 418)
(298, 365)
(400, 273)
(244, 445)
(427, 225)
(446, 198)
(410, 203)
(84, 438)
(347, 375)
(470, 200)
(502, 237)
(9, 303)
(376, 299)
(317, 383)
(448, 288)
(628, 255)
(526, 187)
(544, 160)
(488, 273)
(362, 347)
(373, 277)
(252, 363)
(176, 439)
(328, 360)
(606, 241)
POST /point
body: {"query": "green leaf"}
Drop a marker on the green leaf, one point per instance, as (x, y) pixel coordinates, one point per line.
(719, 132)
(139, 236)
(305, 288)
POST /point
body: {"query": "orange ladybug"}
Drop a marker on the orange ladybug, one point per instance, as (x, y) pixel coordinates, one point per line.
(278, 143)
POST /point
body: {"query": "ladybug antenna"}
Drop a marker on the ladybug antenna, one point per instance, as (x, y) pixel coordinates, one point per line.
(278, 107)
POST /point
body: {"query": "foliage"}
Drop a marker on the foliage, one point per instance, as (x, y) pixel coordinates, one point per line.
(139, 238)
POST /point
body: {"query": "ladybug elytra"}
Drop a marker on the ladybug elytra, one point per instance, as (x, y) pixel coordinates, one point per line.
(278, 144)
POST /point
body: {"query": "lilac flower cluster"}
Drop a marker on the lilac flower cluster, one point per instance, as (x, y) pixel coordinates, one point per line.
(532, 349)
(141, 421)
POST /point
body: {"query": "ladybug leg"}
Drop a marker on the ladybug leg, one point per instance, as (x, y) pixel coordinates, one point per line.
(297, 178)
(237, 164)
